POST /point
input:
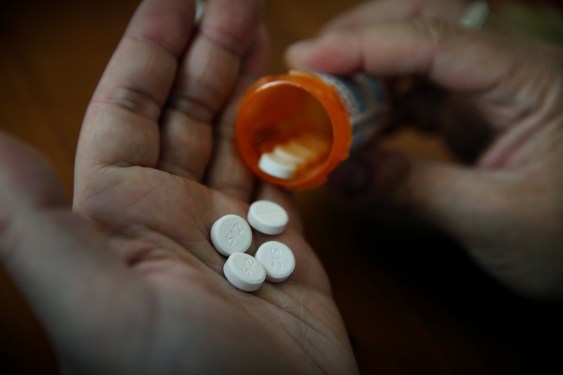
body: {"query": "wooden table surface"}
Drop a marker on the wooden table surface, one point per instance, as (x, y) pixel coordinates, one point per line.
(412, 301)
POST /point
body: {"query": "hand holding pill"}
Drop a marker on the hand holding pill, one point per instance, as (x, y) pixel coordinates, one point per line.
(482, 105)
(130, 282)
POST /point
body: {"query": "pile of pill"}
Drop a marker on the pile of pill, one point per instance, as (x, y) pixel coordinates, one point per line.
(231, 235)
(287, 158)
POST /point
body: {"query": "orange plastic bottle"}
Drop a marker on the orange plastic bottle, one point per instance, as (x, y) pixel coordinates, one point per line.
(294, 129)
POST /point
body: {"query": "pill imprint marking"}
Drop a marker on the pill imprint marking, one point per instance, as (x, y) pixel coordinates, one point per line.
(278, 260)
(231, 234)
(244, 272)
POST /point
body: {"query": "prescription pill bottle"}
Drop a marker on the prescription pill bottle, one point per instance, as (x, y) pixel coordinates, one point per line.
(294, 129)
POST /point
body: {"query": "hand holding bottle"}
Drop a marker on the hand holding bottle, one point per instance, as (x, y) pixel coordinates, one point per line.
(507, 207)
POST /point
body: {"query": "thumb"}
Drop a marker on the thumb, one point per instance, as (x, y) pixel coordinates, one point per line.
(439, 193)
(506, 219)
(59, 262)
(459, 200)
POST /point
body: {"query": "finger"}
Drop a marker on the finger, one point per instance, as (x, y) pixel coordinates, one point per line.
(227, 171)
(205, 81)
(515, 82)
(55, 258)
(464, 129)
(410, 96)
(396, 10)
(25, 181)
(437, 50)
(494, 214)
(121, 123)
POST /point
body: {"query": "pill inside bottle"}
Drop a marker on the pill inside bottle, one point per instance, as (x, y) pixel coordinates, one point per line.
(294, 129)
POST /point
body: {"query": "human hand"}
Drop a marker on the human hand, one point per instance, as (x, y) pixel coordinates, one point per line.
(376, 11)
(507, 207)
(130, 283)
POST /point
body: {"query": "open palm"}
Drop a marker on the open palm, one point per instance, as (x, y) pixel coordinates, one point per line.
(136, 286)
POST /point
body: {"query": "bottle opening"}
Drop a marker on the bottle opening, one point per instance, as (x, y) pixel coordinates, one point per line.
(285, 133)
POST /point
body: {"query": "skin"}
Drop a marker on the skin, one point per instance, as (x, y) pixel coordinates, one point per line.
(505, 206)
(129, 283)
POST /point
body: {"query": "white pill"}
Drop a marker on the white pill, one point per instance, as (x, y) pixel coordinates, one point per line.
(244, 272)
(267, 217)
(287, 153)
(277, 259)
(315, 146)
(298, 148)
(275, 166)
(231, 234)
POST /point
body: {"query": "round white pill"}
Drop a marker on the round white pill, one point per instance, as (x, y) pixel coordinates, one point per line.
(275, 166)
(277, 259)
(231, 234)
(285, 153)
(267, 217)
(244, 272)
(300, 150)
